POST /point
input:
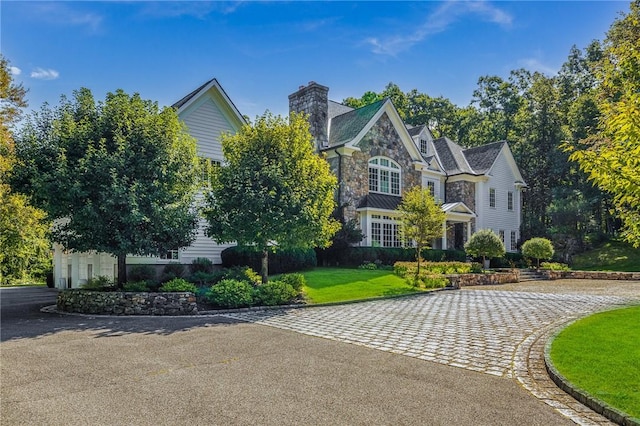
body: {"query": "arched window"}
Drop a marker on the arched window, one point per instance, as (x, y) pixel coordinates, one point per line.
(384, 176)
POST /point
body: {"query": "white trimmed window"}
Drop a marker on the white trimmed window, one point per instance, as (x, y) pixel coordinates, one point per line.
(510, 200)
(384, 176)
(170, 255)
(492, 197)
(424, 146)
(501, 233)
(208, 166)
(385, 231)
(431, 186)
(514, 240)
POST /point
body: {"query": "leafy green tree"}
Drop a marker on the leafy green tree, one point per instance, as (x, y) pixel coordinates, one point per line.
(24, 247)
(611, 158)
(119, 177)
(538, 248)
(421, 220)
(486, 244)
(273, 191)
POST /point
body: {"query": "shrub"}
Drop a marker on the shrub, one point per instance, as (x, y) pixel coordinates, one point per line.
(203, 278)
(178, 284)
(231, 294)
(486, 244)
(368, 265)
(275, 293)
(554, 266)
(201, 264)
(295, 280)
(172, 270)
(141, 273)
(282, 261)
(428, 281)
(403, 269)
(538, 248)
(243, 273)
(136, 286)
(100, 283)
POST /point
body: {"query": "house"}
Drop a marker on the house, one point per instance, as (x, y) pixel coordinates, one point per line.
(208, 113)
(376, 156)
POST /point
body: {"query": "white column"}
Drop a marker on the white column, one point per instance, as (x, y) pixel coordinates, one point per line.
(444, 235)
(75, 273)
(57, 265)
(468, 230)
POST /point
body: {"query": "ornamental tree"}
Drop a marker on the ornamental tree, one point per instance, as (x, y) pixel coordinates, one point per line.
(611, 158)
(538, 248)
(421, 219)
(118, 176)
(486, 244)
(273, 191)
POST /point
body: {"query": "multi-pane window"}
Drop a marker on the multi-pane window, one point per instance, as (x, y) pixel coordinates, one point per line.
(501, 233)
(509, 200)
(424, 146)
(431, 186)
(385, 231)
(208, 166)
(384, 176)
(170, 255)
(514, 241)
(89, 271)
(492, 197)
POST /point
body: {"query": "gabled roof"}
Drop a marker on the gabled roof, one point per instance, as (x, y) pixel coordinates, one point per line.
(335, 108)
(457, 207)
(452, 157)
(379, 201)
(345, 127)
(481, 158)
(413, 131)
(184, 103)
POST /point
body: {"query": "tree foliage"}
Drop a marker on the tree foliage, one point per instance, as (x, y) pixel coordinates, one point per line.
(24, 246)
(274, 190)
(611, 156)
(421, 219)
(486, 244)
(118, 176)
(538, 248)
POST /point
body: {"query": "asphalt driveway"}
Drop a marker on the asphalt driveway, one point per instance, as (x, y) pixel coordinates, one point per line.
(223, 370)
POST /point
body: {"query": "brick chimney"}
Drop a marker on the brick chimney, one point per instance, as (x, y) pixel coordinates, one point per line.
(313, 100)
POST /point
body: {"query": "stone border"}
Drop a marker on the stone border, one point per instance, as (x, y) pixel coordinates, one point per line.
(590, 275)
(493, 278)
(127, 303)
(581, 395)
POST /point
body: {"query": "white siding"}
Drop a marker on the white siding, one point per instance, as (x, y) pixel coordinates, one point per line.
(503, 180)
(206, 122)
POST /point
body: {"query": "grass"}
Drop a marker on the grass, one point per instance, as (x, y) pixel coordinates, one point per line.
(340, 284)
(601, 355)
(612, 256)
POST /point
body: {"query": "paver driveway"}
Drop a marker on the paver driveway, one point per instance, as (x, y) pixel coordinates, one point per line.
(492, 332)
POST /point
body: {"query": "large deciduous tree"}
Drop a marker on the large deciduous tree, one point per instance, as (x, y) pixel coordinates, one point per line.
(119, 176)
(421, 220)
(24, 247)
(486, 244)
(273, 191)
(611, 157)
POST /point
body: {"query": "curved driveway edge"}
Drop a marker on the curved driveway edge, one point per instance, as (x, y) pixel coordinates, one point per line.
(581, 395)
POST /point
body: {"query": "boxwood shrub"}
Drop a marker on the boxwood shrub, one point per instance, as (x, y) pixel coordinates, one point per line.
(274, 293)
(231, 294)
(178, 284)
(280, 262)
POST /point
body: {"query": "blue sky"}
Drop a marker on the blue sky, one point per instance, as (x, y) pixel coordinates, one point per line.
(260, 52)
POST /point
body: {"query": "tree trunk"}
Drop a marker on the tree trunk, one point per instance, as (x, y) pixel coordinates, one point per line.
(264, 267)
(122, 270)
(418, 256)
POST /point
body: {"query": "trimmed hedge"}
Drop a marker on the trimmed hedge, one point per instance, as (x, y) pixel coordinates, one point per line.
(280, 262)
(356, 256)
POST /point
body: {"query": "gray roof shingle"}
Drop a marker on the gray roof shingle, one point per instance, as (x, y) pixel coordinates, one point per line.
(481, 158)
(380, 201)
(186, 99)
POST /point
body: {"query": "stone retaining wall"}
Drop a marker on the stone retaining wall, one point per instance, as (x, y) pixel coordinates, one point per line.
(127, 303)
(463, 280)
(590, 275)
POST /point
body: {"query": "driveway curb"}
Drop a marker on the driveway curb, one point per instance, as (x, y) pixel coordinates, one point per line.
(579, 394)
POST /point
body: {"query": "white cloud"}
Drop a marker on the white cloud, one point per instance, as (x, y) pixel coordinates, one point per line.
(197, 9)
(437, 22)
(535, 65)
(62, 14)
(15, 70)
(44, 74)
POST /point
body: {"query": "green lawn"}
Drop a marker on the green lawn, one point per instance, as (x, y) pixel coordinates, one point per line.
(339, 284)
(601, 354)
(612, 256)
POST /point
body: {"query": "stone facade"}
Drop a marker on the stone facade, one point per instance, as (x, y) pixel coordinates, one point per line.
(127, 303)
(461, 191)
(381, 140)
(314, 101)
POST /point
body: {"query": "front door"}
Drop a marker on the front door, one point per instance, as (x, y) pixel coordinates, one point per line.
(458, 239)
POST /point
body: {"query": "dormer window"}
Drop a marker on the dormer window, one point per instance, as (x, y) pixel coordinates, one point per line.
(384, 176)
(424, 146)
